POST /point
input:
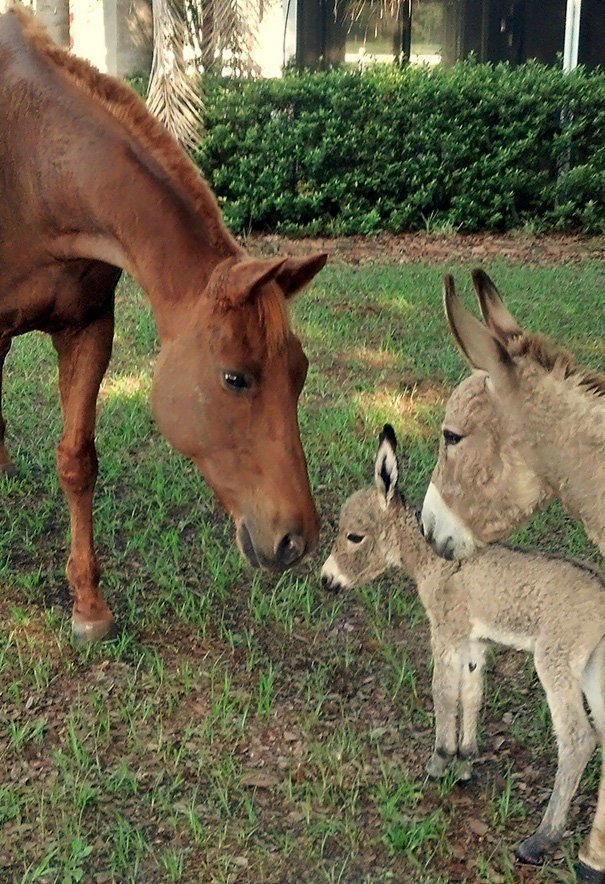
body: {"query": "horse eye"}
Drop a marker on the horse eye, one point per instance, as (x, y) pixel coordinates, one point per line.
(451, 438)
(235, 380)
(355, 538)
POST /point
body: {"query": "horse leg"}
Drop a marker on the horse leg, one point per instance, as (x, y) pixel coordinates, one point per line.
(83, 358)
(6, 465)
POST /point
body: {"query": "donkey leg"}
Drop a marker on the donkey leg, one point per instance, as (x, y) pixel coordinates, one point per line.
(447, 663)
(6, 465)
(591, 866)
(83, 358)
(576, 742)
(471, 696)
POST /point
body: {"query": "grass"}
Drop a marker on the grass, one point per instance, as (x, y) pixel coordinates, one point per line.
(245, 728)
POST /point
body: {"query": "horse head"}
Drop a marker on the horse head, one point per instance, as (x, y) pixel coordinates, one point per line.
(225, 394)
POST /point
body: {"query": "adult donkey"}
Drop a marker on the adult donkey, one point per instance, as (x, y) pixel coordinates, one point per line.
(528, 426)
(91, 184)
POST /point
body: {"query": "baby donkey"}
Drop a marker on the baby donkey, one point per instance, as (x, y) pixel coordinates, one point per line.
(531, 602)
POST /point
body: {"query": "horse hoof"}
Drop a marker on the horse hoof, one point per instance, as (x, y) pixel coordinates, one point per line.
(85, 633)
(533, 849)
(8, 469)
(588, 874)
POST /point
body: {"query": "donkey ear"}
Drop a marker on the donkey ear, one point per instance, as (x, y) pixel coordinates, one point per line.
(386, 471)
(246, 276)
(476, 342)
(497, 318)
(296, 273)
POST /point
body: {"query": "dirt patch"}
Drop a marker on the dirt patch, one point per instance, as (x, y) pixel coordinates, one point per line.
(414, 248)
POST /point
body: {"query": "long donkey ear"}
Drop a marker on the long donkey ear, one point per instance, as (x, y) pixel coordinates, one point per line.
(296, 273)
(497, 318)
(386, 471)
(476, 342)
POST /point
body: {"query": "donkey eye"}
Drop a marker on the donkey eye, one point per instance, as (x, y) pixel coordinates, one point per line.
(235, 380)
(451, 438)
(355, 538)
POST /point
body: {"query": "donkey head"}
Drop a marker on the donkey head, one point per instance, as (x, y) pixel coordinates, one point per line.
(365, 545)
(225, 394)
(484, 485)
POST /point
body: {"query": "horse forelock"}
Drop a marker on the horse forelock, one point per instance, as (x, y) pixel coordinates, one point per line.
(555, 360)
(130, 110)
(266, 309)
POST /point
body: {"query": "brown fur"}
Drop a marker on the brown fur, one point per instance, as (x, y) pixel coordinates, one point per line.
(156, 143)
(92, 184)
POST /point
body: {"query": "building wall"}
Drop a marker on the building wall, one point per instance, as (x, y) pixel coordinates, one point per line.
(114, 35)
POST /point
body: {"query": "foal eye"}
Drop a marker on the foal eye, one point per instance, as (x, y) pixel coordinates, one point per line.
(235, 380)
(451, 438)
(355, 538)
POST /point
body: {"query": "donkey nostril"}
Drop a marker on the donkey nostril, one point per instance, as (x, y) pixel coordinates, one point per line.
(290, 549)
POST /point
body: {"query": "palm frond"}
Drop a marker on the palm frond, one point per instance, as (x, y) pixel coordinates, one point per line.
(172, 95)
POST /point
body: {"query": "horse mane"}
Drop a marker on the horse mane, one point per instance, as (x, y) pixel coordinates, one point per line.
(553, 358)
(130, 110)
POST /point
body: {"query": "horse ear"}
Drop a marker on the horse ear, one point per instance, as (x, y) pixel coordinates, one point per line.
(296, 273)
(386, 471)
(246, 276)
(497, 318)
(482, 349)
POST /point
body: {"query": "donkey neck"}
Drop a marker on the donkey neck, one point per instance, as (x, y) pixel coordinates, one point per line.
(566, 435)
(414, 553)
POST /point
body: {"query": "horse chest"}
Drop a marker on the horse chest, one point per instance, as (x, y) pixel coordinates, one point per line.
(53, 297)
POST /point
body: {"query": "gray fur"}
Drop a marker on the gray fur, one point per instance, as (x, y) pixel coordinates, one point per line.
(550, 607)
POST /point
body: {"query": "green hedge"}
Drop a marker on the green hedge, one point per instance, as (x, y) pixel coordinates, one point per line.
(470, 148)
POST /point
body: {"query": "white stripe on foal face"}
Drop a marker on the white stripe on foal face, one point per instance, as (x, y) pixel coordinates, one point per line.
(333, 576)
(444, 530)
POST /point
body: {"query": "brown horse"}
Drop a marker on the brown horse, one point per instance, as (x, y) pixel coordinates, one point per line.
(91, 183)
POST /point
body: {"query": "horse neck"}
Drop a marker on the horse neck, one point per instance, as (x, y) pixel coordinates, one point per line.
(140, 220)
(566, 437)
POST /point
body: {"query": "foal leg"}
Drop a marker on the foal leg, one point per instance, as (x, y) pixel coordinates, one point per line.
(6, 465)
(83, 358)
(446, 694)
(576, 742)
(471, 695)
(592, 853)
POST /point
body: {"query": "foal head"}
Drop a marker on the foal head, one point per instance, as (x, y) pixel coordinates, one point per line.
(485, 483)
(225, 394)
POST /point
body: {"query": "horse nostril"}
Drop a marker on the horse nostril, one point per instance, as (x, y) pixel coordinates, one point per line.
(290, 549)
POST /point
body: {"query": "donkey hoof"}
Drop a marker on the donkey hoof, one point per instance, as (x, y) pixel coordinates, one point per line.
(437, 765)
(588, 874)
(464, 770)
(534, 849)
(86, 632)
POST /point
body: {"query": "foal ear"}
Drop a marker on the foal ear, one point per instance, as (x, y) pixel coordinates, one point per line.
(386, 471)
(497, 318)
(246, 276)
(296, 273)
(482, 349)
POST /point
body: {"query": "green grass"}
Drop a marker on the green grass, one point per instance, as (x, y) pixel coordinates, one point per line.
(245, 728)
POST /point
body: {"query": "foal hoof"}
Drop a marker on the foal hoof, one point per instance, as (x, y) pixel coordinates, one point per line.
(534, 849)
(85, 632)
(588, 874)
